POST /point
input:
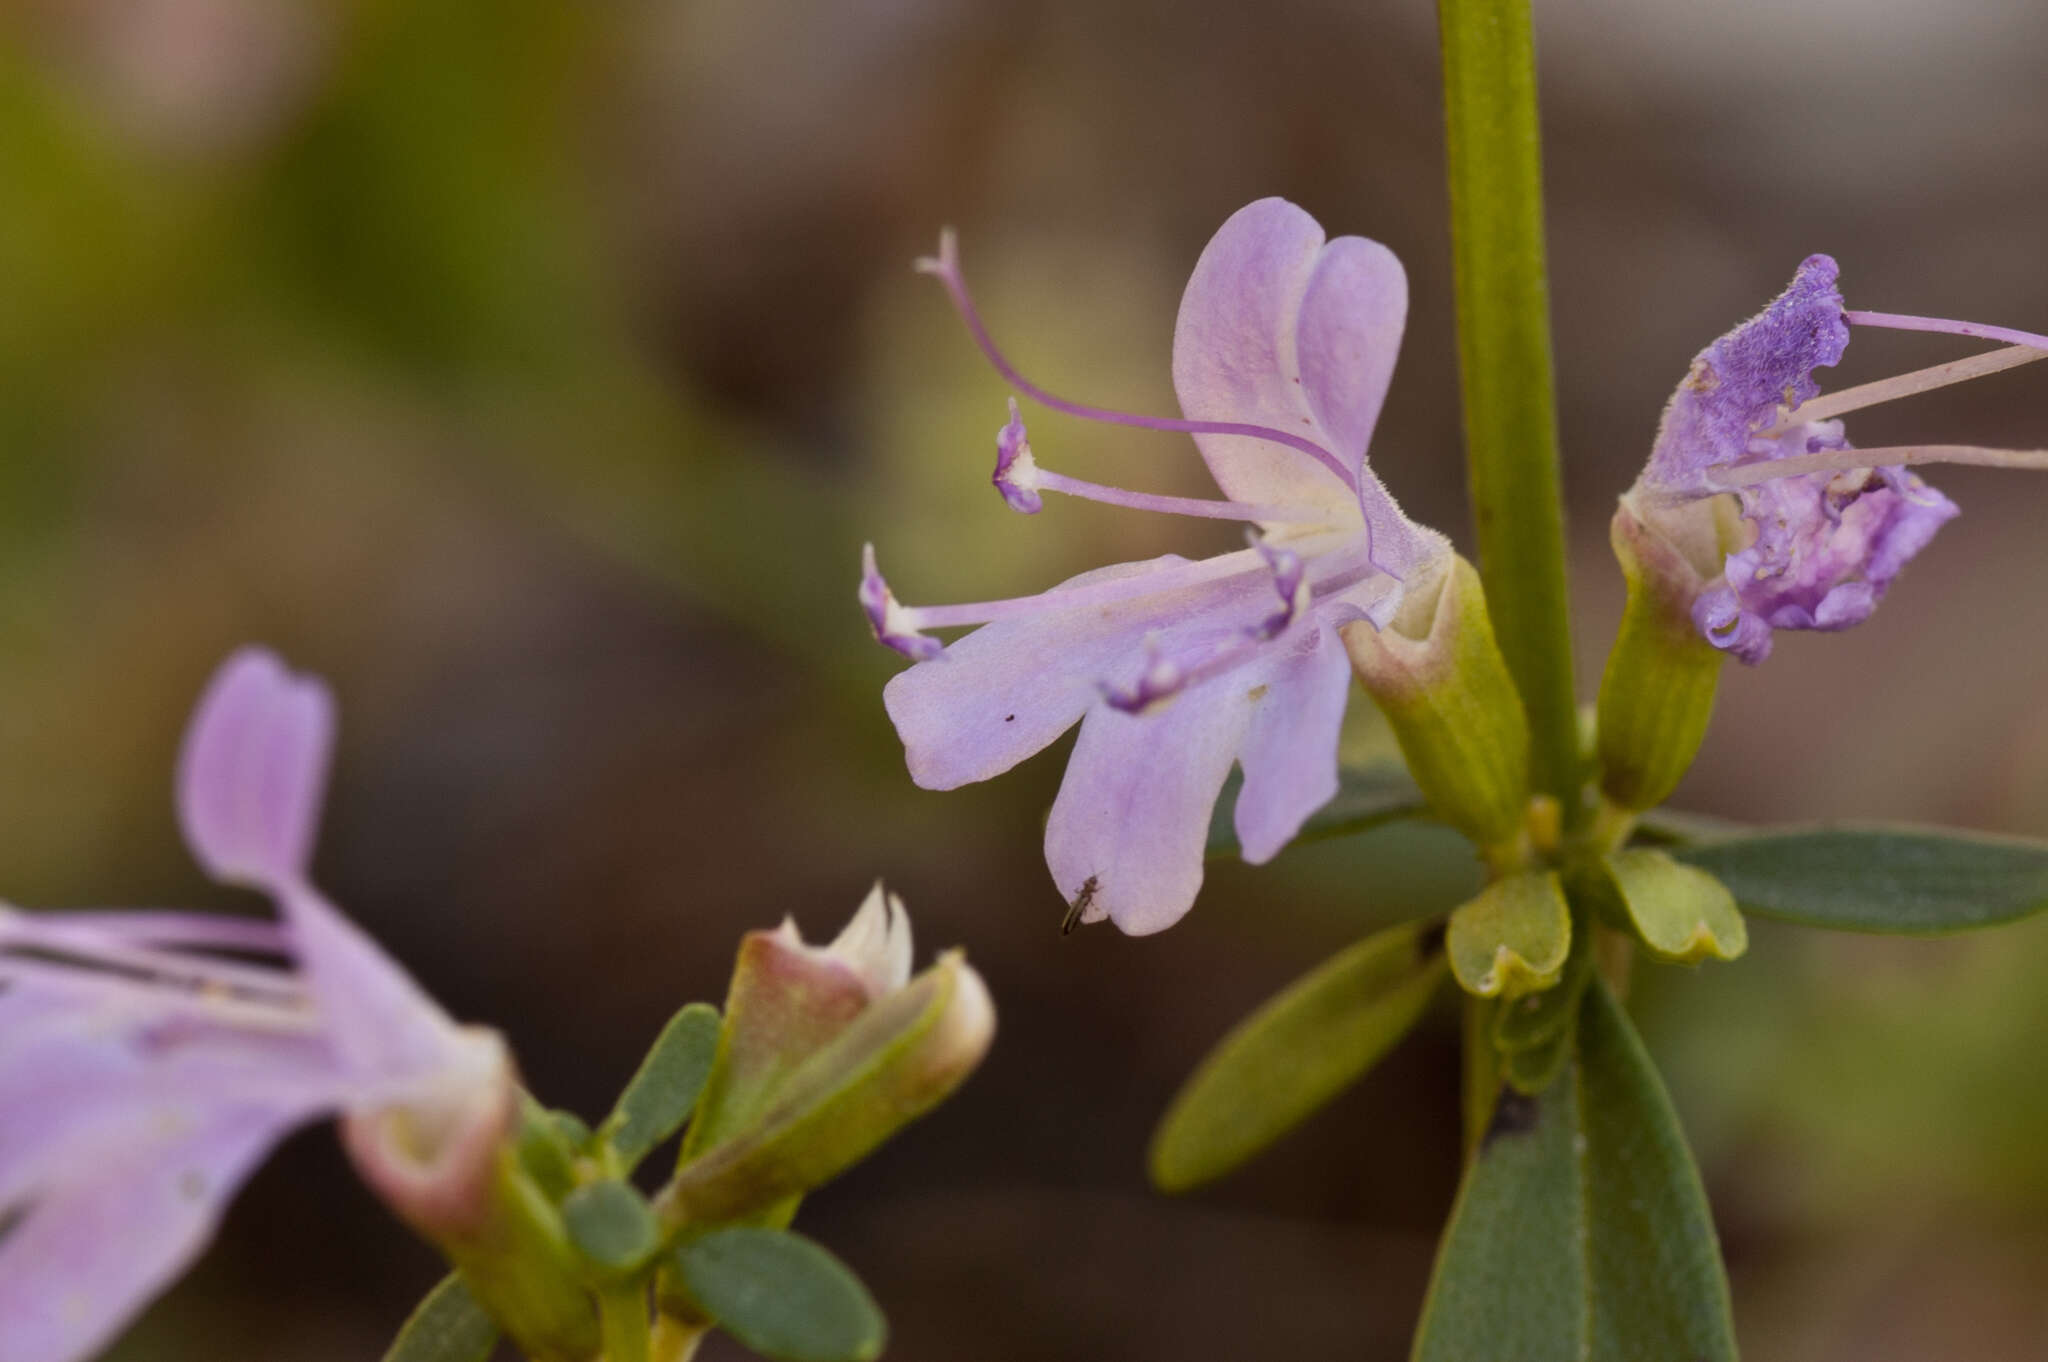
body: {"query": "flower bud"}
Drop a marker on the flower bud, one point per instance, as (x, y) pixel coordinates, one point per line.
(890, 1065)
(1658, 690)
(787, 1000)
(1439, 676)
(447, 1163)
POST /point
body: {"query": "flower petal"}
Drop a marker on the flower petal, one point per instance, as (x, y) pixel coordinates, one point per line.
(1347, 338)
(253, 771)
(1005, 691)
(1127, 833)
(1234, 356)
(93, 1250)
(1289, 752)
(382, 1024)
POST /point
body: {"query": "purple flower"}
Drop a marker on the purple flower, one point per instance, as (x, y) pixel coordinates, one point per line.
(1175, 669)
(144, 1073)
(1824, 528)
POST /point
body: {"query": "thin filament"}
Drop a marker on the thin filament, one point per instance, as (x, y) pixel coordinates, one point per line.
(946, 269)
(1844, 460)
(1899, 321)
(1194, 506)
(1863, 395)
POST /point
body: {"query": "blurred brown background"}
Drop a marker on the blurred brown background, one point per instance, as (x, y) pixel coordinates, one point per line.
(535, 370)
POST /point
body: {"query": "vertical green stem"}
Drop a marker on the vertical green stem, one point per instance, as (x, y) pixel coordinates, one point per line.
(622, 1315)
(1504, 352)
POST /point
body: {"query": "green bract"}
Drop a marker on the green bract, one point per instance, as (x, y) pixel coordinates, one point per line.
(1512, 939)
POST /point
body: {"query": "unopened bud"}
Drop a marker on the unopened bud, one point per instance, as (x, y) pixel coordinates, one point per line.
(894, 1062)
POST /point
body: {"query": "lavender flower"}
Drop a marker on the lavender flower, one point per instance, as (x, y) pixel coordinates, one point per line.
(1175, 669)
(1825, 528)
(143, 1074)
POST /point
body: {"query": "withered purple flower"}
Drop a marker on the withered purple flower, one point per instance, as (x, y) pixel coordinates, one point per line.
(1824, 528)
(1175, 669)
(147, 1064)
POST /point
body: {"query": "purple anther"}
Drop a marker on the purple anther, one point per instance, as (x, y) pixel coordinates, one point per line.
(887, 617)
(1016, 475)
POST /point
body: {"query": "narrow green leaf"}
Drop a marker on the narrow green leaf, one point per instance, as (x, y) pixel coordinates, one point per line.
(1581, 1232)
(1510, 1278)
(1297, 1051)
(1367, 797)
(612, 1226)
(782, 1295)
(1913, 881)
(1669, 827)
(662, 1093)
(447, 1326)
(1679, 911)
(1513, 938)
(1658, 1287)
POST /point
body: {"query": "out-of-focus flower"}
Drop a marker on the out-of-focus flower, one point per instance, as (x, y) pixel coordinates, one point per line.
(1176, 669)
(1823, 528)
(825, 1052)
(147, 1064)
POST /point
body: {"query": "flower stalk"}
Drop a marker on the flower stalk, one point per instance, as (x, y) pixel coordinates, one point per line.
(1504, 352)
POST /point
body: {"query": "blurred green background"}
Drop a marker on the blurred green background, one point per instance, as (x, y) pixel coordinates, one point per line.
(535, 369)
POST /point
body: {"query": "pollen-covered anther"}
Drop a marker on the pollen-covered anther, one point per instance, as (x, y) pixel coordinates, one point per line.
(886, 615)
(1016, 475)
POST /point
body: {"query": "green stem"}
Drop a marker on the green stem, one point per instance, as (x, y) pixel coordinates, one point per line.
(1504, 352)
(622, 1316)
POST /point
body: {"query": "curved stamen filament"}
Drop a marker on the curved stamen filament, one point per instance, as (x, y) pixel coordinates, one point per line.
(1844, 460)
(1899, 321)
(945, 267)
(1203, 507)
(1863, 395)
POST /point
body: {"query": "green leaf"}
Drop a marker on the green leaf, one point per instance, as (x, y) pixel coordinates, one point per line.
(1297, 1051)
(1581, 1232)
(782, 1295)
(1367, 797)
(447, 1326)
(1511, 1275)
(1513, 938)
(1669, 827)
(1659, 1290)
(661, 1094)
(1913, 881)
(547, 1149)
(1680, 912)
(612, 1226)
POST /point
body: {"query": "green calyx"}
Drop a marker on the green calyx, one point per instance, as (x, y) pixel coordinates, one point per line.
(1438, 675)
(1657, 693)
